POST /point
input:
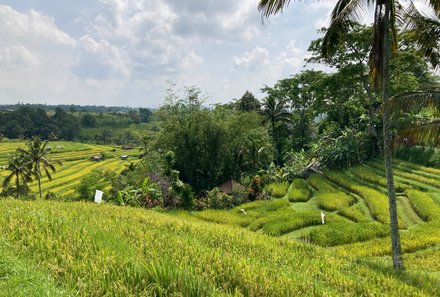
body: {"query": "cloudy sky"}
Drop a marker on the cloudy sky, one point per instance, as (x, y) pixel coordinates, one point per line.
(116, 52)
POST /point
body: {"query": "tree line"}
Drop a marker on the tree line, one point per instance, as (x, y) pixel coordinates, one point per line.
(27, 121)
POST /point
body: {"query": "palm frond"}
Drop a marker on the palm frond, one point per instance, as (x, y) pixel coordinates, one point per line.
(342, 16)
(425, 30)
(271, 7)
(8, 179)
(49, 176)
(424, 133)
(412, 101)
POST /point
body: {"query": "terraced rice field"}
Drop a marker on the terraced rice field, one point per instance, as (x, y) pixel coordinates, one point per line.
(76, 163)
(356, 207)
(277, 247)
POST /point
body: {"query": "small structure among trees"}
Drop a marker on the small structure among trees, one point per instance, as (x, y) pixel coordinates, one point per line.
(230, 186)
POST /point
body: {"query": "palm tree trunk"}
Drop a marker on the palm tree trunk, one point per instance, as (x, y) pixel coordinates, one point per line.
(371, 112)
(394, 226)
(39, 180)
(17, 184)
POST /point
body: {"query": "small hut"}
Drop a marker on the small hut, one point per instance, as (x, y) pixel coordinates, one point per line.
(230, 186)
(124, 157)
(96, 158)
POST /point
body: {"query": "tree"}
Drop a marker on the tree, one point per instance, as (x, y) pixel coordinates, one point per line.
(425, 30)
(248, 103)
(384, 42)
(302, 92)
(274, 111)
(20, 167)
(145, 115)
(37, 152)
(88, 120)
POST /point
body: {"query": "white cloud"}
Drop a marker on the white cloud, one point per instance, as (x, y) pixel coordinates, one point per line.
(258, 58)
(18, 56)
(100, 60)
(32, 28)
(119, 52)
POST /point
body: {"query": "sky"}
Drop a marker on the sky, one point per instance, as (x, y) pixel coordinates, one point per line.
(125, 53)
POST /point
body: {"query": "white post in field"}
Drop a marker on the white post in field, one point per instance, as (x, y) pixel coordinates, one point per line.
(98, 196)
(322, 217)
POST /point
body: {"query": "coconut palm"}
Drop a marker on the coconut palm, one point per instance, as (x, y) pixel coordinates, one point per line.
(425, 29)
(384, 42)
(423, 130)
(20, 168)
(274, 110)
(38, 151)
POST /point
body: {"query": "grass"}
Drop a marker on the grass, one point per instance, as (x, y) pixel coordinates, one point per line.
(298, 191)
(424, 205)
(19, 277)
(97, 250)
(342, 233)
(376, 201)
(277, 190)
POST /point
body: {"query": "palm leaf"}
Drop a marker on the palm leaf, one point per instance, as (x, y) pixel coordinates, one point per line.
(412, 101)
(424, 133)
(270, 7)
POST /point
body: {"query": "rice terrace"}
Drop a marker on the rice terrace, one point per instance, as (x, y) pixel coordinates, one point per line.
(220, 148)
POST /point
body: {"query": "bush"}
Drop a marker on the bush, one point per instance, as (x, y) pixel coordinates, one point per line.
(350, 148)
(420, 155)
(219, 200)
(98, 179)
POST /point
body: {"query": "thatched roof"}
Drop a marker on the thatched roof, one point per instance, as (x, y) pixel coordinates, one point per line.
(229, 186)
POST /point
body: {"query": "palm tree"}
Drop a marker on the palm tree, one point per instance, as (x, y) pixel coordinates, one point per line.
(426, 31)
(37, 151)
(274, 110)
(20, 168)
(386, 14)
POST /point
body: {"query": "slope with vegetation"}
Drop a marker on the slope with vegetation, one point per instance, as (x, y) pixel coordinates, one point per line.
(100, 250)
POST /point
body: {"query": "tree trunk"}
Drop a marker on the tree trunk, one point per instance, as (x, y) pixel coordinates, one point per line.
(17, 184)
(371, 112)
(394, 226)
(37, 171)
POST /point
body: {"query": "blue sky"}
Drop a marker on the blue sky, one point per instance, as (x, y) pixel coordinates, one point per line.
(115, 52)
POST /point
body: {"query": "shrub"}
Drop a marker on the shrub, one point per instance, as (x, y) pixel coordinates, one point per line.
(219, 200)
(349, 148)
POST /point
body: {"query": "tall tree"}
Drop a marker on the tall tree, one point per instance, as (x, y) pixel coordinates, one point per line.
(20, 168)
(248, 102)
(274, 111)
(37, 152)
(386, 14)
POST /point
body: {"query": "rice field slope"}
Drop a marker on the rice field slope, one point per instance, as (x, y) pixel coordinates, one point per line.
(82, 249)
(355, 205)
(75, 160)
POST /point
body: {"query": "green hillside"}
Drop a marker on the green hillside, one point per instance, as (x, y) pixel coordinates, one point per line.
(83, 249)
(76, 163)
(275, 247)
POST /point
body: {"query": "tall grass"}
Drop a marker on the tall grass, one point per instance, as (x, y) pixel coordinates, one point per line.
(298, 191)
(423, 205)
(277, 190)
(114, 251)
